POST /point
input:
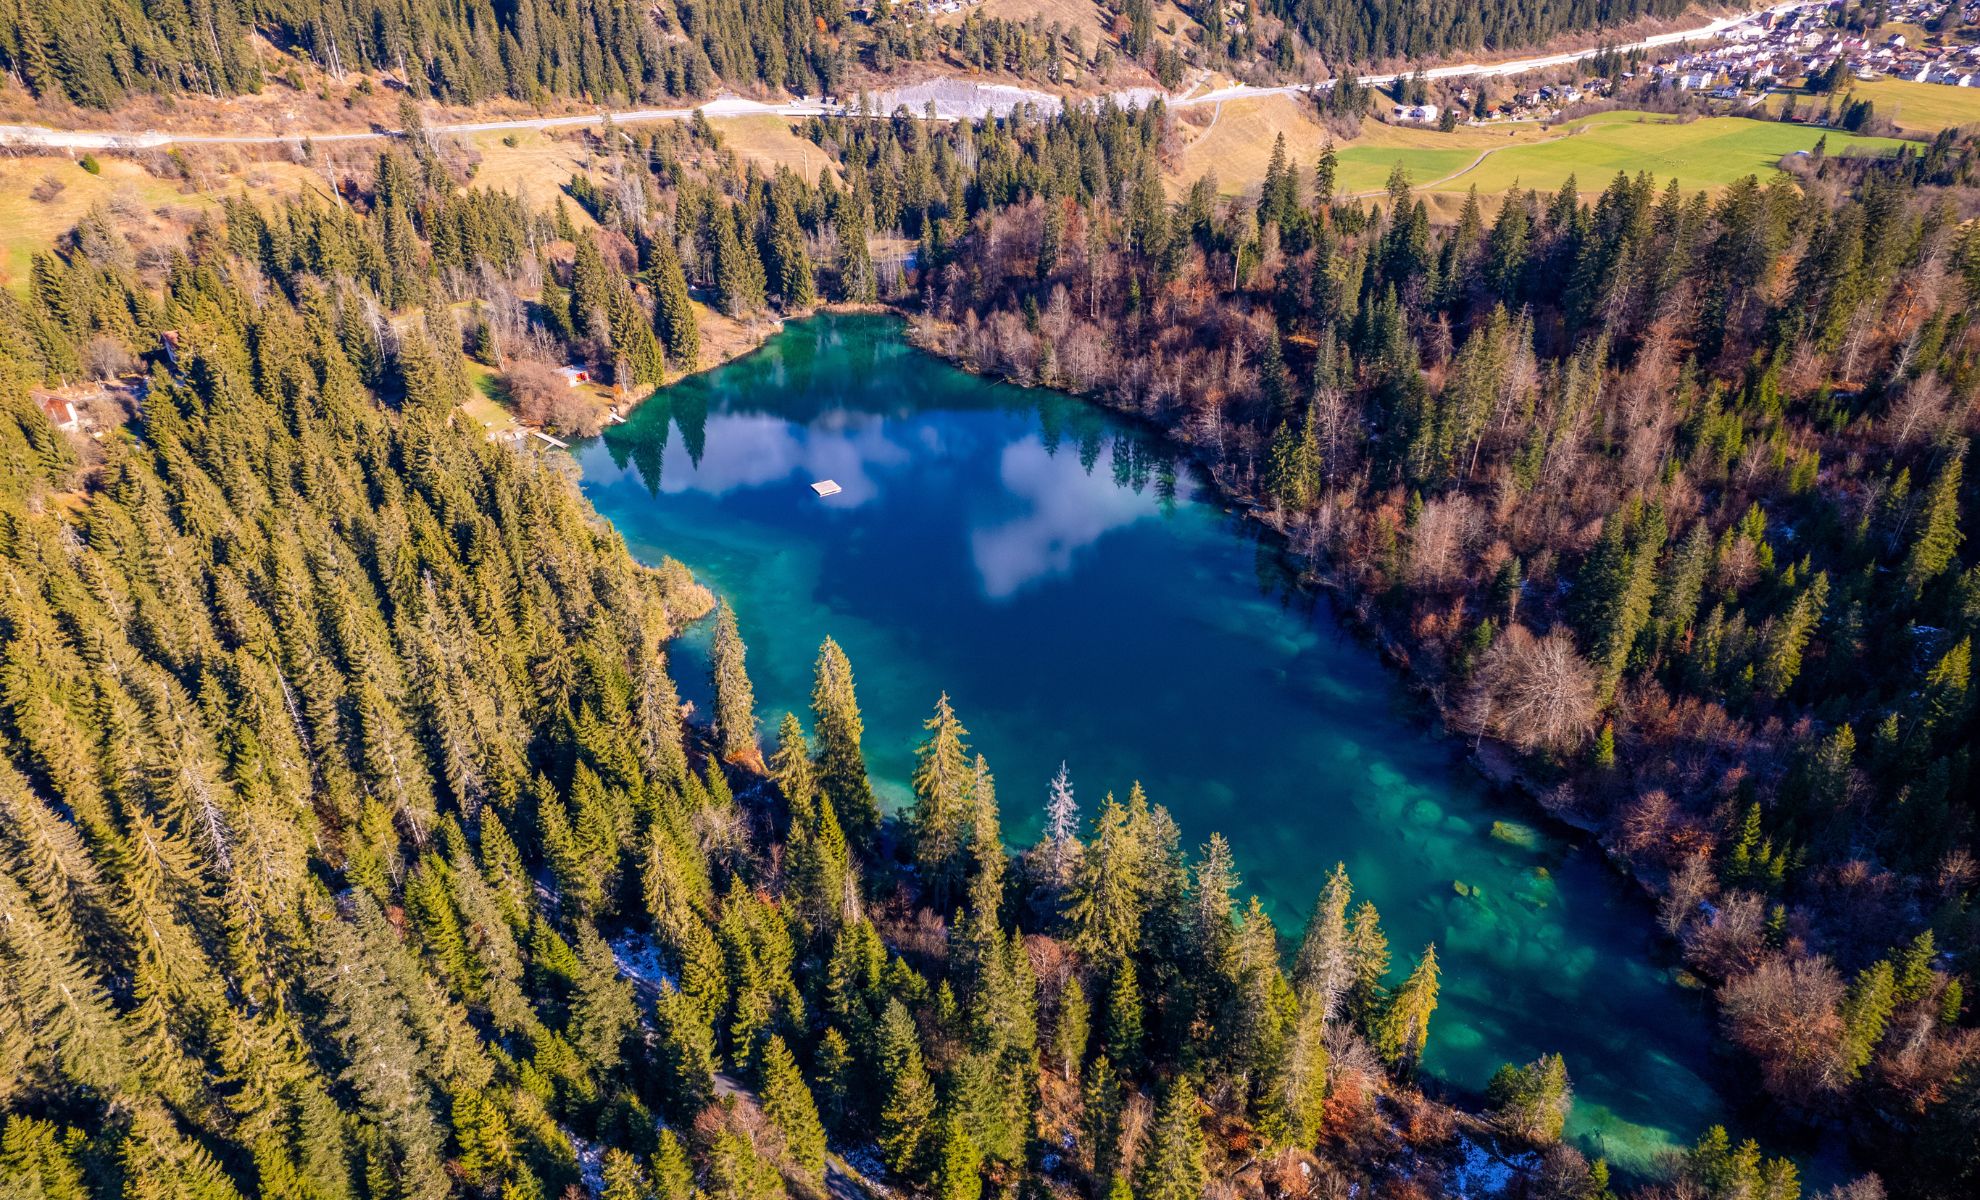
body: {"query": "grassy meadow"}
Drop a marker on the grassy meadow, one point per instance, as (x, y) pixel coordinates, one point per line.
(1704, 154)
(1921, 108)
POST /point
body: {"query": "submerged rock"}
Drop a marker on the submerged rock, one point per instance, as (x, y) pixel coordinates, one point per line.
(1515, 834)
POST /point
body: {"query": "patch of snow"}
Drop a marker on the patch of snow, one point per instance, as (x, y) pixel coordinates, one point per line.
(1483, 1173)
(639, 960)
(964, 98)
(866, 1160)
(591, 1164)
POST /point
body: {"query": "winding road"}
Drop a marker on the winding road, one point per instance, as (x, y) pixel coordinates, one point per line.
(38, 136)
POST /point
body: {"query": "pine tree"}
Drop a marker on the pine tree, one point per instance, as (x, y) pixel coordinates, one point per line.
(1532, 1102)
(673, 309)
(591, 290)
(1101, 1103)
(737, 1169)
(1174, 1167)
(738, 272)
(40, 1160)
(834, 1075)
(787, 1103)
(1295, 1100)
(624, 1177)
(735, 699)
(673, 1177)
(790, 264)
(1368, 958)
(1939, 535)
(1866, 1011)
(907, 1098)
(1780, 661)
(486, 1139)
(642, 364)
(1914, 976)
(817, 864)
(1324, 970)
(1105, 904)
(944, 804)
(1061, 836)
(1124, 1018)
(686, 1054)
(958, 1162)
(1292, 474)
(1405, 1027)
(841, 760)
(857, 283)
(602, 1010)
(1071, 1029)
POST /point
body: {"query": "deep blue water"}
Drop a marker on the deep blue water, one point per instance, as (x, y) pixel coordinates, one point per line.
(1081, 596)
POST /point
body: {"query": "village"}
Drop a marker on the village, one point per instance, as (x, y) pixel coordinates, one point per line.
(1787, 44)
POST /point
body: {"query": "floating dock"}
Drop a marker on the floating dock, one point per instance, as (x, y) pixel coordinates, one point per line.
(826, 487)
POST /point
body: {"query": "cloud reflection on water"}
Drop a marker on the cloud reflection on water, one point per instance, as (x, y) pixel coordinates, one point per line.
(752, 450)
(1071, 508)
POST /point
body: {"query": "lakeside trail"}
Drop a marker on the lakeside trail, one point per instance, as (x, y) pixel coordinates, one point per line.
(952, 99)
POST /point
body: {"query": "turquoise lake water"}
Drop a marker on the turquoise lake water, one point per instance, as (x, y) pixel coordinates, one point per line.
(1081, 595)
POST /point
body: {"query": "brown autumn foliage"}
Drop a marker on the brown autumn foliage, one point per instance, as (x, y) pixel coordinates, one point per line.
(544, 397)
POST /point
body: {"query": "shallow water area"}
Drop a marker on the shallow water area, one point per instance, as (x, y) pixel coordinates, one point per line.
(1081, 595)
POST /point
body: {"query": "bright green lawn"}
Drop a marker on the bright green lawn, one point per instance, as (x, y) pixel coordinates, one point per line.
(1366, 168)
(1711, 152)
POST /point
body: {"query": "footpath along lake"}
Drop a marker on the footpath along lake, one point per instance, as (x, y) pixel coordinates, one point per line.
(1081, 595)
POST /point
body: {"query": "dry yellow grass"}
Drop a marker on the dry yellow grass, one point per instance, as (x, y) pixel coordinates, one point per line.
(1093, 21)
(771, 142)
(537, 166)
(1085, 16)
(1920, 108)
(144, 201)
(724, 338)
(1237, 145)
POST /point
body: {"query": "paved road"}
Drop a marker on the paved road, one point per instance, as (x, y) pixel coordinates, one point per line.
(731, 106)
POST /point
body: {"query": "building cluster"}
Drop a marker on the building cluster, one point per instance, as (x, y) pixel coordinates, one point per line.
(1787, 44)
(1525, 104)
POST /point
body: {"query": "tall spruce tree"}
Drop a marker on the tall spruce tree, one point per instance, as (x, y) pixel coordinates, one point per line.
(842, 774)
(944, 805)
(1404, 1027)
(673, 309)
(735, 698)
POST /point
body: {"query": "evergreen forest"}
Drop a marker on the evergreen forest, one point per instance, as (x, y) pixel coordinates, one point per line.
(357, 846)
(102, 54)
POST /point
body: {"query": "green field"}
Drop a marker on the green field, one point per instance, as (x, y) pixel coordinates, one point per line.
(1701, 155)
(1366, 168)
(1921, 108)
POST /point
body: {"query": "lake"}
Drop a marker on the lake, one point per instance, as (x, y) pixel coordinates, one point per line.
(1082, 595)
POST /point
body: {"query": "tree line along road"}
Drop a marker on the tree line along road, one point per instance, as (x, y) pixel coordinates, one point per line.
(37, 136)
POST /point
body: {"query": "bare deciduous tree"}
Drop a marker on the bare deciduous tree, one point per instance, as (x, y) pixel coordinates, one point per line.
(1535, 692)
(1691, 885)
(1788, 1014)
(544, 397)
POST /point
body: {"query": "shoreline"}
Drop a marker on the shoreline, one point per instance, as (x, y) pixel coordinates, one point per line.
(1499, 768)
(1505, 779)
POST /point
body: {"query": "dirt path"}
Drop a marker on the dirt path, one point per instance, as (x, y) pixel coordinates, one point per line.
(1439, 182)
